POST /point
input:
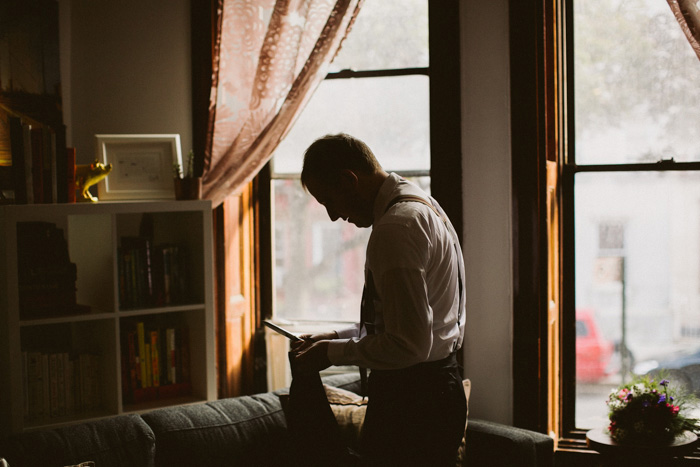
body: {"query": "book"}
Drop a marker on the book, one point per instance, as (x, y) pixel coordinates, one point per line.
(70, 384)
(69, 175)
(35, 385)
(25, 385)
(142, 352)
(21, 165)
(149, 369)
(36, 144)
(61, 382)
(50, 189)
(63, 184)
(45, 387)
(53, 385)
(155, 358)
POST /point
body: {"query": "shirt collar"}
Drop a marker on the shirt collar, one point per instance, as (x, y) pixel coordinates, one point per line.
(393, 186)
(385, 195)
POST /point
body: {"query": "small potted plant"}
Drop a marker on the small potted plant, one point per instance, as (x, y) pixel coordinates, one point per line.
(187, 186)
(649, 412)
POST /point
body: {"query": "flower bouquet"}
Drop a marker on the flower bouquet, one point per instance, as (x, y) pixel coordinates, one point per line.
(649, 412)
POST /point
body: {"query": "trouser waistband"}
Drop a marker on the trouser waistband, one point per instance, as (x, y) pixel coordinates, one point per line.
(445, 363)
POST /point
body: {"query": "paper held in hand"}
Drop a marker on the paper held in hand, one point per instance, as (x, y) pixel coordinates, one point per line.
(281, 330)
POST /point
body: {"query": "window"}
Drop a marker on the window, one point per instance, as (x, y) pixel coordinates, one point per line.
(631, 201)
(377, 90)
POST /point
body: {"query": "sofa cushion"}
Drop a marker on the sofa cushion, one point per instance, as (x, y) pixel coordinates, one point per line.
(113, 442)
(247, 430)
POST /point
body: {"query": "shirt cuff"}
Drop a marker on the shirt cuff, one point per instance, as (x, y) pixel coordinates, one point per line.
(351, 331)
(336, 350)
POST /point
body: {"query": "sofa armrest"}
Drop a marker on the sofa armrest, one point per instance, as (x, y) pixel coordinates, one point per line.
(495, 444)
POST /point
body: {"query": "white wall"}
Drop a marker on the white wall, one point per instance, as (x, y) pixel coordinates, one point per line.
(126, 68)
(487, 207)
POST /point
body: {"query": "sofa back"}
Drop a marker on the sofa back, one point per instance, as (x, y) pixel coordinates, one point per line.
(112, 442)
(248, 430)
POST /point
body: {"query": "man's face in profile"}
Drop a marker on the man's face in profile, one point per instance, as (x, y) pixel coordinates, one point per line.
(342, 200)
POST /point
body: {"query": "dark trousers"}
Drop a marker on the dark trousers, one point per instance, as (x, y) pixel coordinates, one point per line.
(415, 417)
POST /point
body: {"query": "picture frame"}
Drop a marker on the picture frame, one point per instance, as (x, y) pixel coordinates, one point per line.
(142, 166)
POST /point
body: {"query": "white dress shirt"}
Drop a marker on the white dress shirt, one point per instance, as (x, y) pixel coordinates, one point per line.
(416, 263)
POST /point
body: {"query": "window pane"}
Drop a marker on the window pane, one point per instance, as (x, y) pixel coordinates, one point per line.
(387, 34)
(390, 114)
(638, 238)
(637, 85)
(319, 264)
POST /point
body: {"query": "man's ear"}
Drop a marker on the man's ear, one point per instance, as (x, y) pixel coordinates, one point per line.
(348, 179)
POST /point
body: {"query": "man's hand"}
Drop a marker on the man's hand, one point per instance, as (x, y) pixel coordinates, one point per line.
(308, 339)
(311, 355)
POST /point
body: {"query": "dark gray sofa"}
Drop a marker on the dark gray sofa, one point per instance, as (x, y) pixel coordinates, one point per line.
(245, 431)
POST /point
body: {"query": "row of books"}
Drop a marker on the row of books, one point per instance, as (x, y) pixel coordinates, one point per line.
(150, 275)
(59, 384)
(43, 169)
(155, 361)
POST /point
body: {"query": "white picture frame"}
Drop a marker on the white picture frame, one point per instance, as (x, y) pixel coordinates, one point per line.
(142, 166)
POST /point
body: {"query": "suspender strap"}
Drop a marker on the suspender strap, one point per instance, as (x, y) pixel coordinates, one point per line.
(417, 199)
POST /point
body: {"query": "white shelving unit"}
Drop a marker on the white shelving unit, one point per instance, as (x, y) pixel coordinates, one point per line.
(93, 233)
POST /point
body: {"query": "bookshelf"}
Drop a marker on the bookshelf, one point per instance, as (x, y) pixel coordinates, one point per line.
(133, 269)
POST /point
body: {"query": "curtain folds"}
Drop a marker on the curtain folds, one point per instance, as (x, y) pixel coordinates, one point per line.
(270, 56)
(687, 13)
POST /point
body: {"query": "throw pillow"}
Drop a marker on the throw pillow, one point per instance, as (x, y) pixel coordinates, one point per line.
(349, 410)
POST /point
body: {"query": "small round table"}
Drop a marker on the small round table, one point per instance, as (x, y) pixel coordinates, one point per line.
(616, 454)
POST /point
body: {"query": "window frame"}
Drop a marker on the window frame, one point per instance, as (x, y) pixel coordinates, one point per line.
(571, 438)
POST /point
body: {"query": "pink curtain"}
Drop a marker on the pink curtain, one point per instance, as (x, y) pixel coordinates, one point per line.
(687, 13)
(270, 56)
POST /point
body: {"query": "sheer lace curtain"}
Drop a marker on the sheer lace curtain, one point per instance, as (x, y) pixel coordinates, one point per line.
(270, 56)
(687, 13)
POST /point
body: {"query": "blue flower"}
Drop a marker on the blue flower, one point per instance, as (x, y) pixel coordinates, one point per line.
(662, 398)
(664, 382)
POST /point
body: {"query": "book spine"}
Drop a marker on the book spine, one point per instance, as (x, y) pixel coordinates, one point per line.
(48, 152)
(134, 370)
(35, 384)
(70, 385)
(53, 378)
(25, 383)
(155, 367)
(46, 387)
(172, 373)
(37, 150)
(142, 353)
(18, 163)
(149, 369)
(70, 175)
(62, 182)
(61, 383)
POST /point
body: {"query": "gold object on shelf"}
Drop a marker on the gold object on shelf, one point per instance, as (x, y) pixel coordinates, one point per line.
(88, 175)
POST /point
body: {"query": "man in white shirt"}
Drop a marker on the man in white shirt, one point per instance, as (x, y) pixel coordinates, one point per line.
(413, 307)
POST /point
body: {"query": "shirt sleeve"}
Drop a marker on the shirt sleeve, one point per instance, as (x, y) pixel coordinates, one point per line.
(397, 256)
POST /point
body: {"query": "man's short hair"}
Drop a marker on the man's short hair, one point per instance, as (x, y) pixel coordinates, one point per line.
(329, 155)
